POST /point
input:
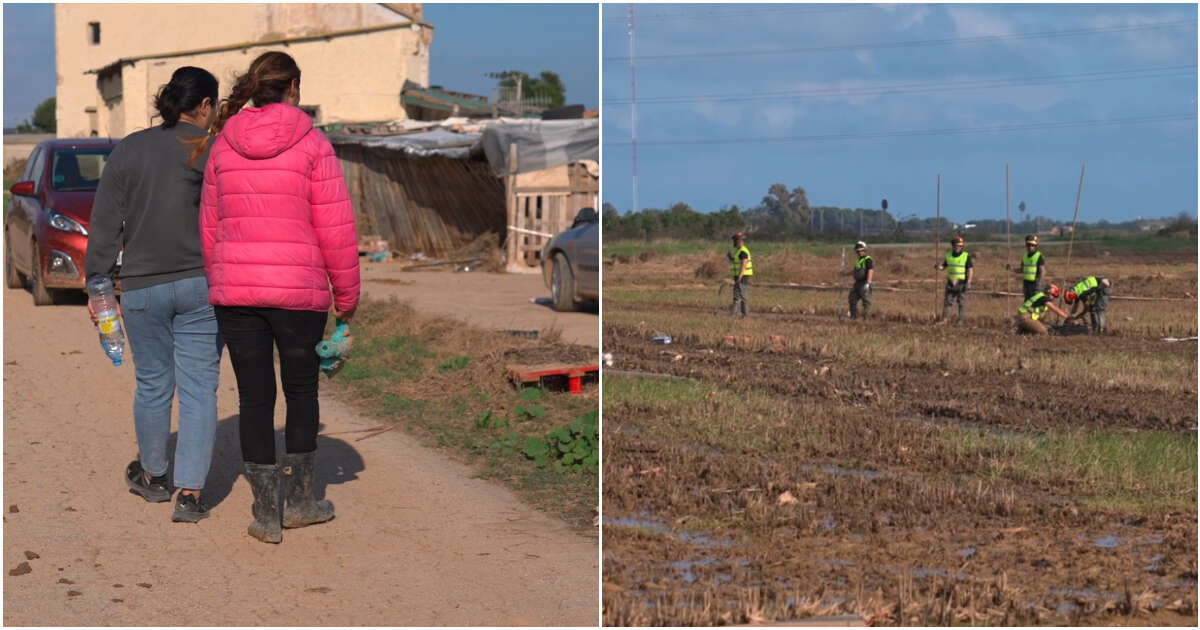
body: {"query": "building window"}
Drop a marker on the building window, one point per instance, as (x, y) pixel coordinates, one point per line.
(94, 31)
(313, 111)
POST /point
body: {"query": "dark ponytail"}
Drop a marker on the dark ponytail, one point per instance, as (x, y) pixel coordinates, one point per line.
(267, 81)
(189, 86)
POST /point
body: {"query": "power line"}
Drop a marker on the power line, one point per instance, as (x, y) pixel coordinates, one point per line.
(765, 11)
(924, 132)
(911, 43)
(912, 88)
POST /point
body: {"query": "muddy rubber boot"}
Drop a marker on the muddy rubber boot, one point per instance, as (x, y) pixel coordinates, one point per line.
(301, 508)
(264, 482)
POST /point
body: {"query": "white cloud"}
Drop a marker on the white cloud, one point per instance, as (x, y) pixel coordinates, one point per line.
(723, 114)
(1150, 44)
(865, 58)
(780, 117)
(972, 22)
(912, 15)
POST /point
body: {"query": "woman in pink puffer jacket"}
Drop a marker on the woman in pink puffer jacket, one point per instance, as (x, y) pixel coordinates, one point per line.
(277, 231)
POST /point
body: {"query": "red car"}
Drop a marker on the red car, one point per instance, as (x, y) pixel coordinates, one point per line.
(45, 230)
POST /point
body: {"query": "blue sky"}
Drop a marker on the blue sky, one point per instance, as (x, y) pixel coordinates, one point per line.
(29, 75)
(1120, 64)
(468, 40)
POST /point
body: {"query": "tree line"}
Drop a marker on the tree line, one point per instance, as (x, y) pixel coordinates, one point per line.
(785, 213)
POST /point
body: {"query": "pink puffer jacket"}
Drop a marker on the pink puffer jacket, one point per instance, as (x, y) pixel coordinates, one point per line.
(276, 223)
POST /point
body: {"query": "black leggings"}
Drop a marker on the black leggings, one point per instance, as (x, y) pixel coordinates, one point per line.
(249, 333)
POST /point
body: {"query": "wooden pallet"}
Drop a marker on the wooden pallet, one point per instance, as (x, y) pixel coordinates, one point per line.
(532, 374)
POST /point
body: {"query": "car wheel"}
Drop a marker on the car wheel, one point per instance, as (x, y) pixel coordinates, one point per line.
(562, 285)
(12, 278)
(42, 296)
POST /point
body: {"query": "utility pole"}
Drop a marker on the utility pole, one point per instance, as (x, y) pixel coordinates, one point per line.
(520, 103)
(937, 239)
(633, 98)
(1007, 218)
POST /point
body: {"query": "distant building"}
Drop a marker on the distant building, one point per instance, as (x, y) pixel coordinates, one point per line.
(356, 58)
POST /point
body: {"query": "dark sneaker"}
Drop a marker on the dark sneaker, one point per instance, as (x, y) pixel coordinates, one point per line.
(156, 491)
(189, 509)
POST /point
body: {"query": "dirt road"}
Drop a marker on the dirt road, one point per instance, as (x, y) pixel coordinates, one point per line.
(417, 540)
(490, 300)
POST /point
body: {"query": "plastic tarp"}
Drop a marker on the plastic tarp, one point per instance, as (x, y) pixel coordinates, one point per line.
(435, 142)
(541, 143)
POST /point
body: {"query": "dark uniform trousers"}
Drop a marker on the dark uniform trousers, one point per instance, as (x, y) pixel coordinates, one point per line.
(860, 291)
(953, 292)
(741, 301)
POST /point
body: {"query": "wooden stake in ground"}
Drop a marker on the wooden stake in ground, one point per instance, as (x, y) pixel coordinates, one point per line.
(1071, 243)
(1007, 221)
(937, 241)
(842, 275)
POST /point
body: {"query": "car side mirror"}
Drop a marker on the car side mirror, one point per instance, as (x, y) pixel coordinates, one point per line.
(586, 215)
(24, 189)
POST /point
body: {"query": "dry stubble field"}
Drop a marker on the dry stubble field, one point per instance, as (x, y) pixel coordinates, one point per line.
(797, 463)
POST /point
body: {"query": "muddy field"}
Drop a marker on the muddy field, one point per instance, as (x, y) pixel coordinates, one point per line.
(798, 464)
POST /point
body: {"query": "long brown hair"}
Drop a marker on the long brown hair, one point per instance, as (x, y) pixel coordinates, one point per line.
(267, 81)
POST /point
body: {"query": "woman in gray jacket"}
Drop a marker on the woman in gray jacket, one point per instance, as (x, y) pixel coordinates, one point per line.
(148, 199)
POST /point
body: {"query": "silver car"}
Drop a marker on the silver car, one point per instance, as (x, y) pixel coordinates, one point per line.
(571, 262)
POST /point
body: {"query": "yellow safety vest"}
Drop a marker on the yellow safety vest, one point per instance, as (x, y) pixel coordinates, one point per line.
(737, 262)
(1035, 312)
(1029, 266)
(956, 266)
(1085, 285)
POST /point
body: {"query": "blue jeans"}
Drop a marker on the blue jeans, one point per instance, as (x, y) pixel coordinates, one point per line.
(174, 340)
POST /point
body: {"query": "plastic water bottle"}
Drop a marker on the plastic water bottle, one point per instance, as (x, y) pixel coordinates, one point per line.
(103, 301)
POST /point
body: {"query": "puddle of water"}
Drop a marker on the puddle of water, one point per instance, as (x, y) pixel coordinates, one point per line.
(1155, 564)
(702, 540)
(840, 562)
(1067, 608)
(924, 573)
(1084, 593)
(684, 565)
(968, 552)
(828, 523)
(1108, 542)
(724, 577)
(825, 603)
(698, 539)
(1153, 540)
(628, 521)
(689, 577)
(854, 472)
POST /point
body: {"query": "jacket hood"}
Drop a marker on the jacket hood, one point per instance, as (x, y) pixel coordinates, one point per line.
(264, 132)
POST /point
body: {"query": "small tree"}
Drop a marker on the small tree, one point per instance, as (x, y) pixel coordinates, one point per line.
(44, 117)
(547, 87)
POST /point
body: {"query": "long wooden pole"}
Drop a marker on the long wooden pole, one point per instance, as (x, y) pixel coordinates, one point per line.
(1074, 220)
(1007, 220)
(937, 240)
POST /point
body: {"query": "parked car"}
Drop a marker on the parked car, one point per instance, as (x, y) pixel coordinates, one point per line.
(571, 262)
(45, 230)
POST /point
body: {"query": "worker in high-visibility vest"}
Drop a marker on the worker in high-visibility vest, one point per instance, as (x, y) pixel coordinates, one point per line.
(1092, 294)
(1031, 314)
(1033, 267)
(864, 274)
(960, 271)
(741, 267)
